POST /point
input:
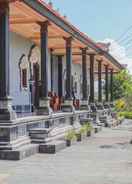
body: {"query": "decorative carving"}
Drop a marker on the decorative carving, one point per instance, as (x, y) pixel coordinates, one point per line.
(23, 71)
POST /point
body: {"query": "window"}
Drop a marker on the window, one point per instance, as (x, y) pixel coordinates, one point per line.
(24, 78)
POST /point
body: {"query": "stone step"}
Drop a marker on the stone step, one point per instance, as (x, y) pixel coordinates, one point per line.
(52, 147)
(40, 136)
(13, 145)
(19, 154)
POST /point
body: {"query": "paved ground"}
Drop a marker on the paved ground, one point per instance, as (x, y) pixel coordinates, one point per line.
(105, 158)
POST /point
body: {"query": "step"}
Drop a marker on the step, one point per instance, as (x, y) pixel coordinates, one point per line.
(19, 154)
(52, 147)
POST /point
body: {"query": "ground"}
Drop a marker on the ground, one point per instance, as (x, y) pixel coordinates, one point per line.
(105, 158)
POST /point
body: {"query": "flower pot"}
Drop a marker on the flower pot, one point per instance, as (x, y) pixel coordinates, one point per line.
(79, 137)
(88, 133)
(68, 143)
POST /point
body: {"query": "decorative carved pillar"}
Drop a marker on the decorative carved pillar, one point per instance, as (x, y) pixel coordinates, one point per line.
(84, 102)
(14, 141)
(106, 84)
(100, 80)
(92, 57)
(51, 67)
(60, 71)
(6, 112)
(68, 68)
(44, 102)
(84, 74)
(111, 85)
(68, 104)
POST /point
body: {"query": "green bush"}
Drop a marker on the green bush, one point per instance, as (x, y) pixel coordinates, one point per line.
(70, 135)
(88, 127)
(125, 114)
(82, 130)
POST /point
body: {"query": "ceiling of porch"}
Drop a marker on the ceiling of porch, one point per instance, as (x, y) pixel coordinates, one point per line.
(24, 21)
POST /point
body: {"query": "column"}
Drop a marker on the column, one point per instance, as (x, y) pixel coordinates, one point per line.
(68, 68)
(6, 112)
(100, 80)
(68, 104)
(51, 68)
(84, 102)
(44, 102)
(111, 85)
(60, 71)
(84, 75)
(91, 77)
(106, 84)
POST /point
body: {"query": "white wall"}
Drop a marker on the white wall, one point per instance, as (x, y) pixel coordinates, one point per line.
(18, 47)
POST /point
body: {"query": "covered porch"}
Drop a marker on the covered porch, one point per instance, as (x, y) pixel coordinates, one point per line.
(54, 79)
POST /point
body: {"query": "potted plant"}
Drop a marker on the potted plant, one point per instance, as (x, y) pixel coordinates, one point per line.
(70, 136)
(81, 133)
(88, 129)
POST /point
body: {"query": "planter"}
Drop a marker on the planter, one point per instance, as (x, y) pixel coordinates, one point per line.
(70, 142)
(79, 137)
(88, 133)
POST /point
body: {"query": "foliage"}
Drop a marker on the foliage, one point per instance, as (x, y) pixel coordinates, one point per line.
(70, 135)
(120, 105)
(122, 85)
(82, 130)
(122, 89)
(125, 114)
(88, 127)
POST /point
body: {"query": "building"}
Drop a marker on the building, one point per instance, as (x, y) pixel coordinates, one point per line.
(42, 52)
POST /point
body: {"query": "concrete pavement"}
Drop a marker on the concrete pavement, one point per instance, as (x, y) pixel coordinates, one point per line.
(105, 158)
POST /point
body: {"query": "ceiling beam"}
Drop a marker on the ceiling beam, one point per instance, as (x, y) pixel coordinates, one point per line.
(23, 21)
(49, 37)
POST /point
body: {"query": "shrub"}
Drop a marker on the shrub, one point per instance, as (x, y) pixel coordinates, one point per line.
(70, 135)
(125, 114)
(120, 105)
(82, 130)
(88, 127)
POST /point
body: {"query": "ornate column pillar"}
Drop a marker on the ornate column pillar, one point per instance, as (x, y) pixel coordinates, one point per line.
(111, 85)
(14, 140)
(68, 104)
(92, 58)
(6, 112)
(51, 68)
(99, 80)
(60, 80)
(68, 68)
(106, 84)
(84, 102)
(44, 102)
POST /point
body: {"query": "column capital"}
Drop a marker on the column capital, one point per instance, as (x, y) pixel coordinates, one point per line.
(51, 50)
(4, 6)
(106, 65)
(44, 25)
(68, 41)
(83, 49)
(99, 60)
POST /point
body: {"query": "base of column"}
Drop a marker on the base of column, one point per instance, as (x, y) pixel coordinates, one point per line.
(20, 153)
(84, 105)
(67, 106)
(44, 107)
(6, 111)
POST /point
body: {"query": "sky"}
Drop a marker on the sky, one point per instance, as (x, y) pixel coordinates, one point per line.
(102, 20)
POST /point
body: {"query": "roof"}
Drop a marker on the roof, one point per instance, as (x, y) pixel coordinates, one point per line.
(47, 11)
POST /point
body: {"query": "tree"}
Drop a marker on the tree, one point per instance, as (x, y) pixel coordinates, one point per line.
(122, 88)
